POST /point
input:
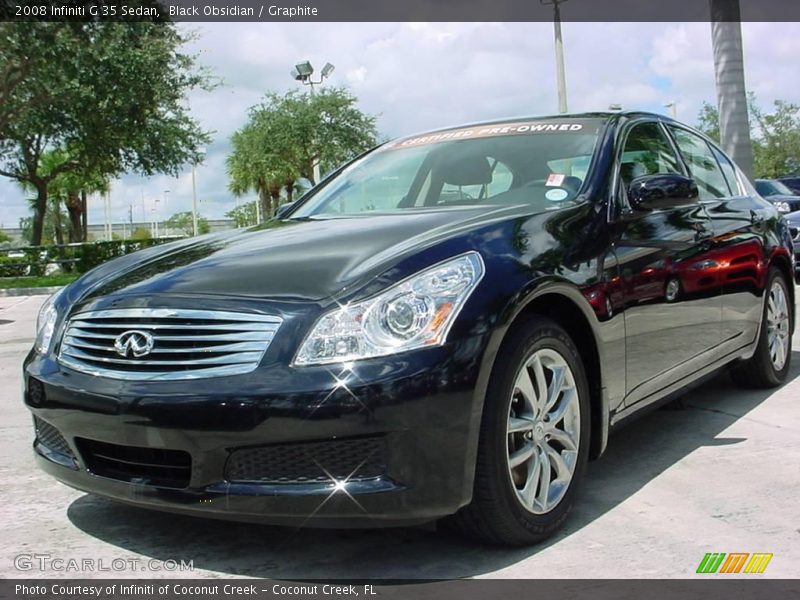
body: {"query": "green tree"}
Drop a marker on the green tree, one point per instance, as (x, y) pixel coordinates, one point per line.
(775, 135)
(778, 149)
(4, 237)
(708, 117)
(327, 127)
(244, 215)
(52, 229)
(108, 96)
(182, 222)
(254, 166)
(140, 233)
(708, 120)
(71, 188)
(286, 135)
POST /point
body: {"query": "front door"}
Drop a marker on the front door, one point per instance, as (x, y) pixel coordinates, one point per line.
(672, 296)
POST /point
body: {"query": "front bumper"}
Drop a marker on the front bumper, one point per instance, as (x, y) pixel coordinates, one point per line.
(422, 406)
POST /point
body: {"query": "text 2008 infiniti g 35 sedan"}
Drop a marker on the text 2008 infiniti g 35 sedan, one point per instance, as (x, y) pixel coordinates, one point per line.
(447, 327)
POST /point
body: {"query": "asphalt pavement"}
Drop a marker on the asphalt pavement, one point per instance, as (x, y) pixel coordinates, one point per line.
(717, 472)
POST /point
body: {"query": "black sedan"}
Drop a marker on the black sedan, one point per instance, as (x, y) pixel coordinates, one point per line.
(448, 327)
(775, 191)
(792, 182)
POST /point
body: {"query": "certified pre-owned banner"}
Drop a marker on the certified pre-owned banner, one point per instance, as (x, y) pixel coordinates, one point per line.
(407, 10)
(476, 589)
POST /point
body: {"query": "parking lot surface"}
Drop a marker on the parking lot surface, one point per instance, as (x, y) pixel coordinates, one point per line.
(718, 471)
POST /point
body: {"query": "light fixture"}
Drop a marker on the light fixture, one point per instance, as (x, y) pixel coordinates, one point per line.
(304, 69)
(327, 70)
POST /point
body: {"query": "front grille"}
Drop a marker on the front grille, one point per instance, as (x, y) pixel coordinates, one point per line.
(49, 437)
(152, 466)
(167, 344)
(311, 462)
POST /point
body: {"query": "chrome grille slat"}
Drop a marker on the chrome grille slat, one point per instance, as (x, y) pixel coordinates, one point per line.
(85, 325)
(169, 313)
(231, 358)
(234, 347)
(186, 343)
(221, 337)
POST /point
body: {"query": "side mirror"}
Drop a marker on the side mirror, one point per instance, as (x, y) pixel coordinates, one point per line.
(283, 209)
(653, 192)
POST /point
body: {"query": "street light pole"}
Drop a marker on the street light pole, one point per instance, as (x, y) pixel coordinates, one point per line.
(106, 209)
(561, 77)
(155, 218)
(673, 108)
(315, 165)
(195, 231)
(303, 73)
(194, 201)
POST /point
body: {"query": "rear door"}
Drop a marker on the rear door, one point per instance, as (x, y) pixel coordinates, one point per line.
(672, 304)
(739, 224)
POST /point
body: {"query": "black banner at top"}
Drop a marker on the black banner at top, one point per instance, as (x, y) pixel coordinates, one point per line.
(400, 10)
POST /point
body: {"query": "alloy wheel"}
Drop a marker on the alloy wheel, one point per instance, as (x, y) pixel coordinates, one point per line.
(543, 431)
(777, 325)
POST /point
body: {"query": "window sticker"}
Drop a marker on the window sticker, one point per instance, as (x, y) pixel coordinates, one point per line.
(556, 195)
(498, 129)
(555, 180)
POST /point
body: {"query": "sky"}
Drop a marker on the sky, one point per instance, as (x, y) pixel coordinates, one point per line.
(419, 76)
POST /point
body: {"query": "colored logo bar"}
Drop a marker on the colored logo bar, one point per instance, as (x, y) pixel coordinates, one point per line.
(734, 562)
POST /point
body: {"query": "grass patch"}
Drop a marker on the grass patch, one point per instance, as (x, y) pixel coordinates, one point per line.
(34, 282)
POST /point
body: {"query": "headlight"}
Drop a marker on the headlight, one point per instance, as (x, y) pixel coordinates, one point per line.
(783, 207)
(46, 323)
(415, 313)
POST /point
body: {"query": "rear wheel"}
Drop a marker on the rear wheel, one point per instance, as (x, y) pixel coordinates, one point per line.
(769, 365)
(533, 445)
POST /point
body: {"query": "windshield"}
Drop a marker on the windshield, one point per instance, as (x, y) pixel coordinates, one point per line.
(773, 188)
(543, 163)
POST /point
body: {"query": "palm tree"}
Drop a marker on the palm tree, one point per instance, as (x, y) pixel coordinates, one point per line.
(726, 36)
(253, 166)
(70, 188)
(73, 188)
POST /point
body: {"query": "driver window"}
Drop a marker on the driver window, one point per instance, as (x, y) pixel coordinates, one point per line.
(703, 166)
(647, 151)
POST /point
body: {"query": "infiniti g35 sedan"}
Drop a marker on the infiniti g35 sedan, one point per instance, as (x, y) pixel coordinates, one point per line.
(448, 327)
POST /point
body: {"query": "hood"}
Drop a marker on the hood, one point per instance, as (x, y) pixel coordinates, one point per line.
(287, 260)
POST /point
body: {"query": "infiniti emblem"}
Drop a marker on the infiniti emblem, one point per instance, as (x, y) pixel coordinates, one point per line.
(138, 343)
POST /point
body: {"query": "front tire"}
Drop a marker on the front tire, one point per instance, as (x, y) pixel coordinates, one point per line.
(769, 365)
(534, 439)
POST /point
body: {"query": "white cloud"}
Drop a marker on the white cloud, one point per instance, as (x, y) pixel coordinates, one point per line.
(417, 76)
